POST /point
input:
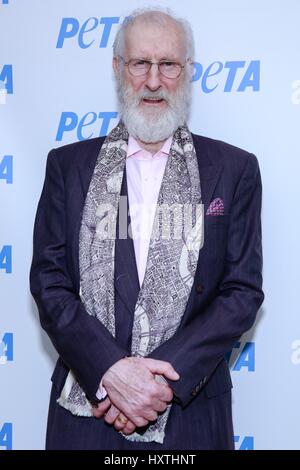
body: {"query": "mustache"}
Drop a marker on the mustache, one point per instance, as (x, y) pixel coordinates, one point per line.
(154, 95)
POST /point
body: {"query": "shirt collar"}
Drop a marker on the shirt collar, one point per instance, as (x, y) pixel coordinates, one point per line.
(134, 146)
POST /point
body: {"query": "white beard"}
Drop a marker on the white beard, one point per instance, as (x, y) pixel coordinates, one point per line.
(153, 125)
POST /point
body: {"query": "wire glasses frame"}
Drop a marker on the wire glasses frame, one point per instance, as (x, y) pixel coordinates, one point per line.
(140, 67)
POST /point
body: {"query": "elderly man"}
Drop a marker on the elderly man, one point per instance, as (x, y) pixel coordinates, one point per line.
(142, 318)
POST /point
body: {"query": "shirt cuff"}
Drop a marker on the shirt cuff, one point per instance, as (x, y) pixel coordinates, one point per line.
(101, 392)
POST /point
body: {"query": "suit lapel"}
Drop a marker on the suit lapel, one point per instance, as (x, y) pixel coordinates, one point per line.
(85, 169)
(209, 171)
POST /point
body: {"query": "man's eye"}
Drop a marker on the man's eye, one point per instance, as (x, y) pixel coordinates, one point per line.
(168, 64)
(139, 63)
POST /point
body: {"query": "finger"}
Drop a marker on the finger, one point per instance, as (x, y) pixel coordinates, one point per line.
(160, 406)
(101, 408)
(150, 415)
(168, 393)
(112, 415)
(129, 428)
(161, 379)
(120, 422)
(139, 421)
(163, 368)
(165, 393)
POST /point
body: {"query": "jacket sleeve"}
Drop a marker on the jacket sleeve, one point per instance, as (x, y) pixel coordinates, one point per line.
(83, 343)
(200, 344)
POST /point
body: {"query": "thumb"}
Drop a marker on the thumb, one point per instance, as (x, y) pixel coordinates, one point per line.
(163, 368)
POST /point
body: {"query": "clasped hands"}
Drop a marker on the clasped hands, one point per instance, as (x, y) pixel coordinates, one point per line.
(136, 395)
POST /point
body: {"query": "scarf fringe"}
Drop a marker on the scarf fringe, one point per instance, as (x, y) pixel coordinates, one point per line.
(154, 436)
(78, 410)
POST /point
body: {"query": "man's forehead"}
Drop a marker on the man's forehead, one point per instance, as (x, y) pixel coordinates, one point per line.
(146, 39)
(159, 53)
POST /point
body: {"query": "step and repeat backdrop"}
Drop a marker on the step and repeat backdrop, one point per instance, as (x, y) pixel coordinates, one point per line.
(56, 87)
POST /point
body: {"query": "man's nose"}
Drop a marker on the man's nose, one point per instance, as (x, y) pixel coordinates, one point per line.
(153, 79)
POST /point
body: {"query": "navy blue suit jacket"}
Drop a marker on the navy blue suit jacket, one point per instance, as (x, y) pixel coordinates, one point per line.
(223, 303)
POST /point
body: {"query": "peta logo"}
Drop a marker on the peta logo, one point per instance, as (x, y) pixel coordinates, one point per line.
(6, 436)
(244, 442)
(6, 78)
(6, 348)
(92, 32)
(5, 2)
(236, 75)
(6, 169)
(6, 258)
(6, 82)
(90, 125)
(242, 357)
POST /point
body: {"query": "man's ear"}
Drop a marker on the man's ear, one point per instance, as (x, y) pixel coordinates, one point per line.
(115, 65)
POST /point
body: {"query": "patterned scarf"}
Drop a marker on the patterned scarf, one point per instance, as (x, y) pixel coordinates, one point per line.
(177, 237)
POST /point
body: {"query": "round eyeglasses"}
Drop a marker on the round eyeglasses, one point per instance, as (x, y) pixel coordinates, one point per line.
(140, 67)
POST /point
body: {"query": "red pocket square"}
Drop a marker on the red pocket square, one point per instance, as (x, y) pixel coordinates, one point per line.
(216, 207)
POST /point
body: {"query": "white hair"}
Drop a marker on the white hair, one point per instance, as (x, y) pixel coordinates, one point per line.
(159, 16)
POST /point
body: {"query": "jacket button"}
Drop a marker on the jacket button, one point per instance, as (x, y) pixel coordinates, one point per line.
(200, 288)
